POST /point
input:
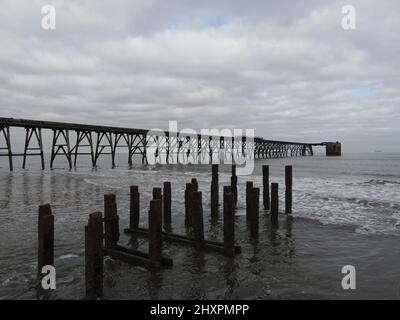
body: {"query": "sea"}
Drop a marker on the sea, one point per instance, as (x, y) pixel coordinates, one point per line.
(346, 211)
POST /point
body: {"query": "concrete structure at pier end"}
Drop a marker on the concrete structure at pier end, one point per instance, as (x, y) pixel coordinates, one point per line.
(333, 148)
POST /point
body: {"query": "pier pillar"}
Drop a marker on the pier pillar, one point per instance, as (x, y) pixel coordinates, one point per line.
(333, 148)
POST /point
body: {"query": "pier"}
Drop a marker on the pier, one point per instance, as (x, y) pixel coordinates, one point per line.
(71, 140)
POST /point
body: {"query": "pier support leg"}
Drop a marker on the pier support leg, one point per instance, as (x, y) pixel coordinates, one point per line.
(6, 133)
(94, 256)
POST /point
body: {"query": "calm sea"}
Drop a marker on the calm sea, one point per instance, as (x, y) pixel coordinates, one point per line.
(346, 210)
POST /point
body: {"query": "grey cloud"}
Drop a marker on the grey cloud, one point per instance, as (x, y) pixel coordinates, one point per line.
(285, 68)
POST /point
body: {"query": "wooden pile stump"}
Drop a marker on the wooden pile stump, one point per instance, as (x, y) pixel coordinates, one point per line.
(274, 203)
(111, 227)
(167, 204)
(45, 237)
(234, 181)
(194, 217)
(254, 210)
(266, 200)
(94, 251)
(249, 187)
(229, 222)
(134, 207)
(214, 191)
(190, 188)
(288, 188)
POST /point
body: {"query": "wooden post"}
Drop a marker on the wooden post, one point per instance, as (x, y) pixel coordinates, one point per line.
(227, 189)
(214, 169)
(274, 203)
(255, 210)
(94, 256)
(234, 184)
(134, 208)
(197, 216)
(167, 203)
(214, 191)
(155, 230)
(45, 237)
(188, 204)
(111, 221)
(229, 224)
(266, 200)
(249, 187)
(288, 188)
(195, 184)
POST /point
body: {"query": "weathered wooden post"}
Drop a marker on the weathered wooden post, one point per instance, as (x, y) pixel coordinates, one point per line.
(227, 189)
(94, 256)
(234, 184)
(288, 188)
(155, 230)
(214, 190)
(111, 221)
(134, 215)
(188, 204)
(197, 217)
(255, 210)
(157, 195)
(249, 187)
(266, 200)
(167, 203)
(229, 223)
(274, 203)
(195, 184)
(45, 237)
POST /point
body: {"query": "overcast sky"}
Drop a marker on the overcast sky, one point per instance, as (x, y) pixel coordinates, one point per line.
(284, 68)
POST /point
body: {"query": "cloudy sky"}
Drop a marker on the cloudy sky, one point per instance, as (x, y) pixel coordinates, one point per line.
(284, 68)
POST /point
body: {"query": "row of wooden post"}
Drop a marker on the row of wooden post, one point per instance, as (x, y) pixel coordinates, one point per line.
(159, 213)
(270, 200)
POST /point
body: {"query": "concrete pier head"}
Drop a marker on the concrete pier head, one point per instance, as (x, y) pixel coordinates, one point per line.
(333, 148)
